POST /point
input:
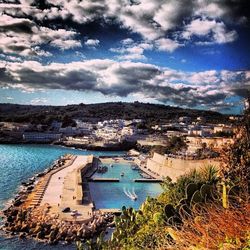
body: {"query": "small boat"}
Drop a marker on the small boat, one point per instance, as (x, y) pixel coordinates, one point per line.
(102, 169)
(122, 174)
(134, 167)
(132, 195)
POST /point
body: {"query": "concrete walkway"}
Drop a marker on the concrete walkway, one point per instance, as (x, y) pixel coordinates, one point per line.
(61, 192)
(54, 190)
(70, 198)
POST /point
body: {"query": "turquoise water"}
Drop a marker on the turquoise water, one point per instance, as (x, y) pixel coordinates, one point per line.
(112, 195)
(20, 162)
(17, 164)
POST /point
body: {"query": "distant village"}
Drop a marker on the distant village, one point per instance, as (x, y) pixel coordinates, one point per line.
(196, 133)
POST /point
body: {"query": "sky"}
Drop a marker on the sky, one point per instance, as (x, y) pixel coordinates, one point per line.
(186, 53)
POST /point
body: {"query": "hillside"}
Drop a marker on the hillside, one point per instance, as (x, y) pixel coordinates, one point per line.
(114, 110)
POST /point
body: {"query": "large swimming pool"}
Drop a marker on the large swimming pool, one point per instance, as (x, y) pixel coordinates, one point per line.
(113, 194)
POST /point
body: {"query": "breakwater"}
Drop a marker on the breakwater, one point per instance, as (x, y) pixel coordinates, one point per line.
(40, 225)
(31, 218)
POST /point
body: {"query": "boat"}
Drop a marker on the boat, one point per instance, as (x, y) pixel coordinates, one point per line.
(134, 167)
(102, 169)
(132, 195)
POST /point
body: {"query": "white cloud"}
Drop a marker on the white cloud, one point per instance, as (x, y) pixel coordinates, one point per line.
(165, 44)
(39, 101)
(130, 50)
(9, 98)
(127, 41)
(204, 27)
(92, 42)
(126, 78)
(213, 9)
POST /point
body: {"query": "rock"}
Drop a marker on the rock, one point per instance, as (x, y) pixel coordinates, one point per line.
(22, 235)
(24, 228)
(10, 219)
(30, 187)
(37, 229)
(40, 174)
(17, 203)
(40, 235)
(14, 212)
(68, 239)
(53, 242)
(53, 234)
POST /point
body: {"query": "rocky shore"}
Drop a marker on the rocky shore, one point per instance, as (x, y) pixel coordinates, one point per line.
(42, 222)
(39, 224)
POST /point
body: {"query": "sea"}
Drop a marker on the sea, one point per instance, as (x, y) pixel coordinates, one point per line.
(20, 162)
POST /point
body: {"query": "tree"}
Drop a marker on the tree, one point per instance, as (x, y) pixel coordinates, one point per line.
(67, 121)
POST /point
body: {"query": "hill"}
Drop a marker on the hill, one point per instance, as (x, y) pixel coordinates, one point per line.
(153, 113)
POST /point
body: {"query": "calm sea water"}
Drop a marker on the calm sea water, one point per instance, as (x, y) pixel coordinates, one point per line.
(20, 162)
(113, 194)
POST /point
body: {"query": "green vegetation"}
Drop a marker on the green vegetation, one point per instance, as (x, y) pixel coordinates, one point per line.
(204, 209)
(147, 228)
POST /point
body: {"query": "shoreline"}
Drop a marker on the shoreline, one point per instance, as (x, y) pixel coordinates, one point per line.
(33, 213)
(89, 147)
(44, 221)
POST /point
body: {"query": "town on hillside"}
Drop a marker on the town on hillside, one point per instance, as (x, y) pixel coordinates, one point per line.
(155, 146)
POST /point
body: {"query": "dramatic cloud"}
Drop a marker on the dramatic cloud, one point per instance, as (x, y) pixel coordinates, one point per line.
(211, 28)
(109, 77)
(152, 19)
(127, 47)
(23, 37)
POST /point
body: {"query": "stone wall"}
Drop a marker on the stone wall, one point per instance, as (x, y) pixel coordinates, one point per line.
(173, 167)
